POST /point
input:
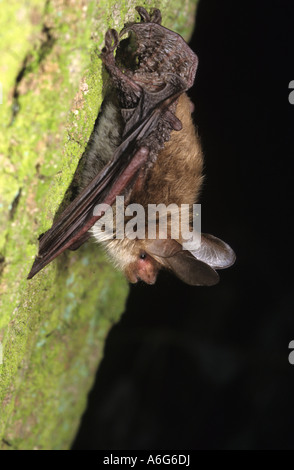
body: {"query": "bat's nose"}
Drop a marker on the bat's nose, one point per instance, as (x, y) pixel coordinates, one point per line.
(149, 278)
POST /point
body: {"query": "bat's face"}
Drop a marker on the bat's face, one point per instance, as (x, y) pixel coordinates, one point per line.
(145, 268)
(131, 257)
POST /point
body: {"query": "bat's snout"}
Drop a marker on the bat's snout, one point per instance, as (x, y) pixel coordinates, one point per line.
(144, 269)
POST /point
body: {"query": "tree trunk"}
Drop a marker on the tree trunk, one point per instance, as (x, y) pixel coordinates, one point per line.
(53, 328)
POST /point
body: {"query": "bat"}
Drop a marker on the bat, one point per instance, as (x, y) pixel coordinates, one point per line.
(144, 148)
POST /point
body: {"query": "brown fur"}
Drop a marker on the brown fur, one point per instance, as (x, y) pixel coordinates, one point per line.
(175, 178)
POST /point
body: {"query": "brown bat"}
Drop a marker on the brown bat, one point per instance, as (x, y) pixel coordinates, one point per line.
(144, 147)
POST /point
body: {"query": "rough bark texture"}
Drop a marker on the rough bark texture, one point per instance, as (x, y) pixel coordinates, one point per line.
(53, 328)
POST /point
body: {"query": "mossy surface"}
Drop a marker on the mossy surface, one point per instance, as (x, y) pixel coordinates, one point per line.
(52, 328)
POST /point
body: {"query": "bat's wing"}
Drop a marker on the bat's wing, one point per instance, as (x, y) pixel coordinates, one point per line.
(70, 230)
(141, 130)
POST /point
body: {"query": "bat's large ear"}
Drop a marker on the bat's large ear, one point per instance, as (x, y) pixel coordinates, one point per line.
(182, 263)
(190, 270)
(163, 248)
(196, 268)
(214, 252)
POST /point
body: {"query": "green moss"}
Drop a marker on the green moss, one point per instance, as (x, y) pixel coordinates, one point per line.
(53, 327)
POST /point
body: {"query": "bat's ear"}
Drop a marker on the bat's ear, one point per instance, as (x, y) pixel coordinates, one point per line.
(163, 248)
(196, 268)
(214, 252)
(190, 270)
(184, 265)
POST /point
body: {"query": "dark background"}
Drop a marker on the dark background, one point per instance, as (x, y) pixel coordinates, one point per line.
(207, 368)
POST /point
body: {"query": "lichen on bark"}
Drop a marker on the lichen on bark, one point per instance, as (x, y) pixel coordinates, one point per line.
(52, 329)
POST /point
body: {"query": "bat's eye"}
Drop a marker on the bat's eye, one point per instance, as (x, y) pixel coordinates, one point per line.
(143, 255)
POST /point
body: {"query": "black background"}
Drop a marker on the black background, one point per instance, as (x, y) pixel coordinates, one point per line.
(207, 368)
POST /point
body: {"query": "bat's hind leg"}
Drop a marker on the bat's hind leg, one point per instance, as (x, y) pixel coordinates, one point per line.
(121, 81)
(154, 17)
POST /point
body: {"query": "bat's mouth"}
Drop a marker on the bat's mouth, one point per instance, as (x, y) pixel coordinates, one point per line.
(147, 277)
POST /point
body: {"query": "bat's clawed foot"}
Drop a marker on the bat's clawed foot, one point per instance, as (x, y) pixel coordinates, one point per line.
(154, 17)
(111, 43)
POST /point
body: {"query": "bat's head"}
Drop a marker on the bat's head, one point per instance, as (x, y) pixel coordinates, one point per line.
(131, 257)
(142, 259)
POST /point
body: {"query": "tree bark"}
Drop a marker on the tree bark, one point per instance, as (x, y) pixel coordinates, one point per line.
(53, 328)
